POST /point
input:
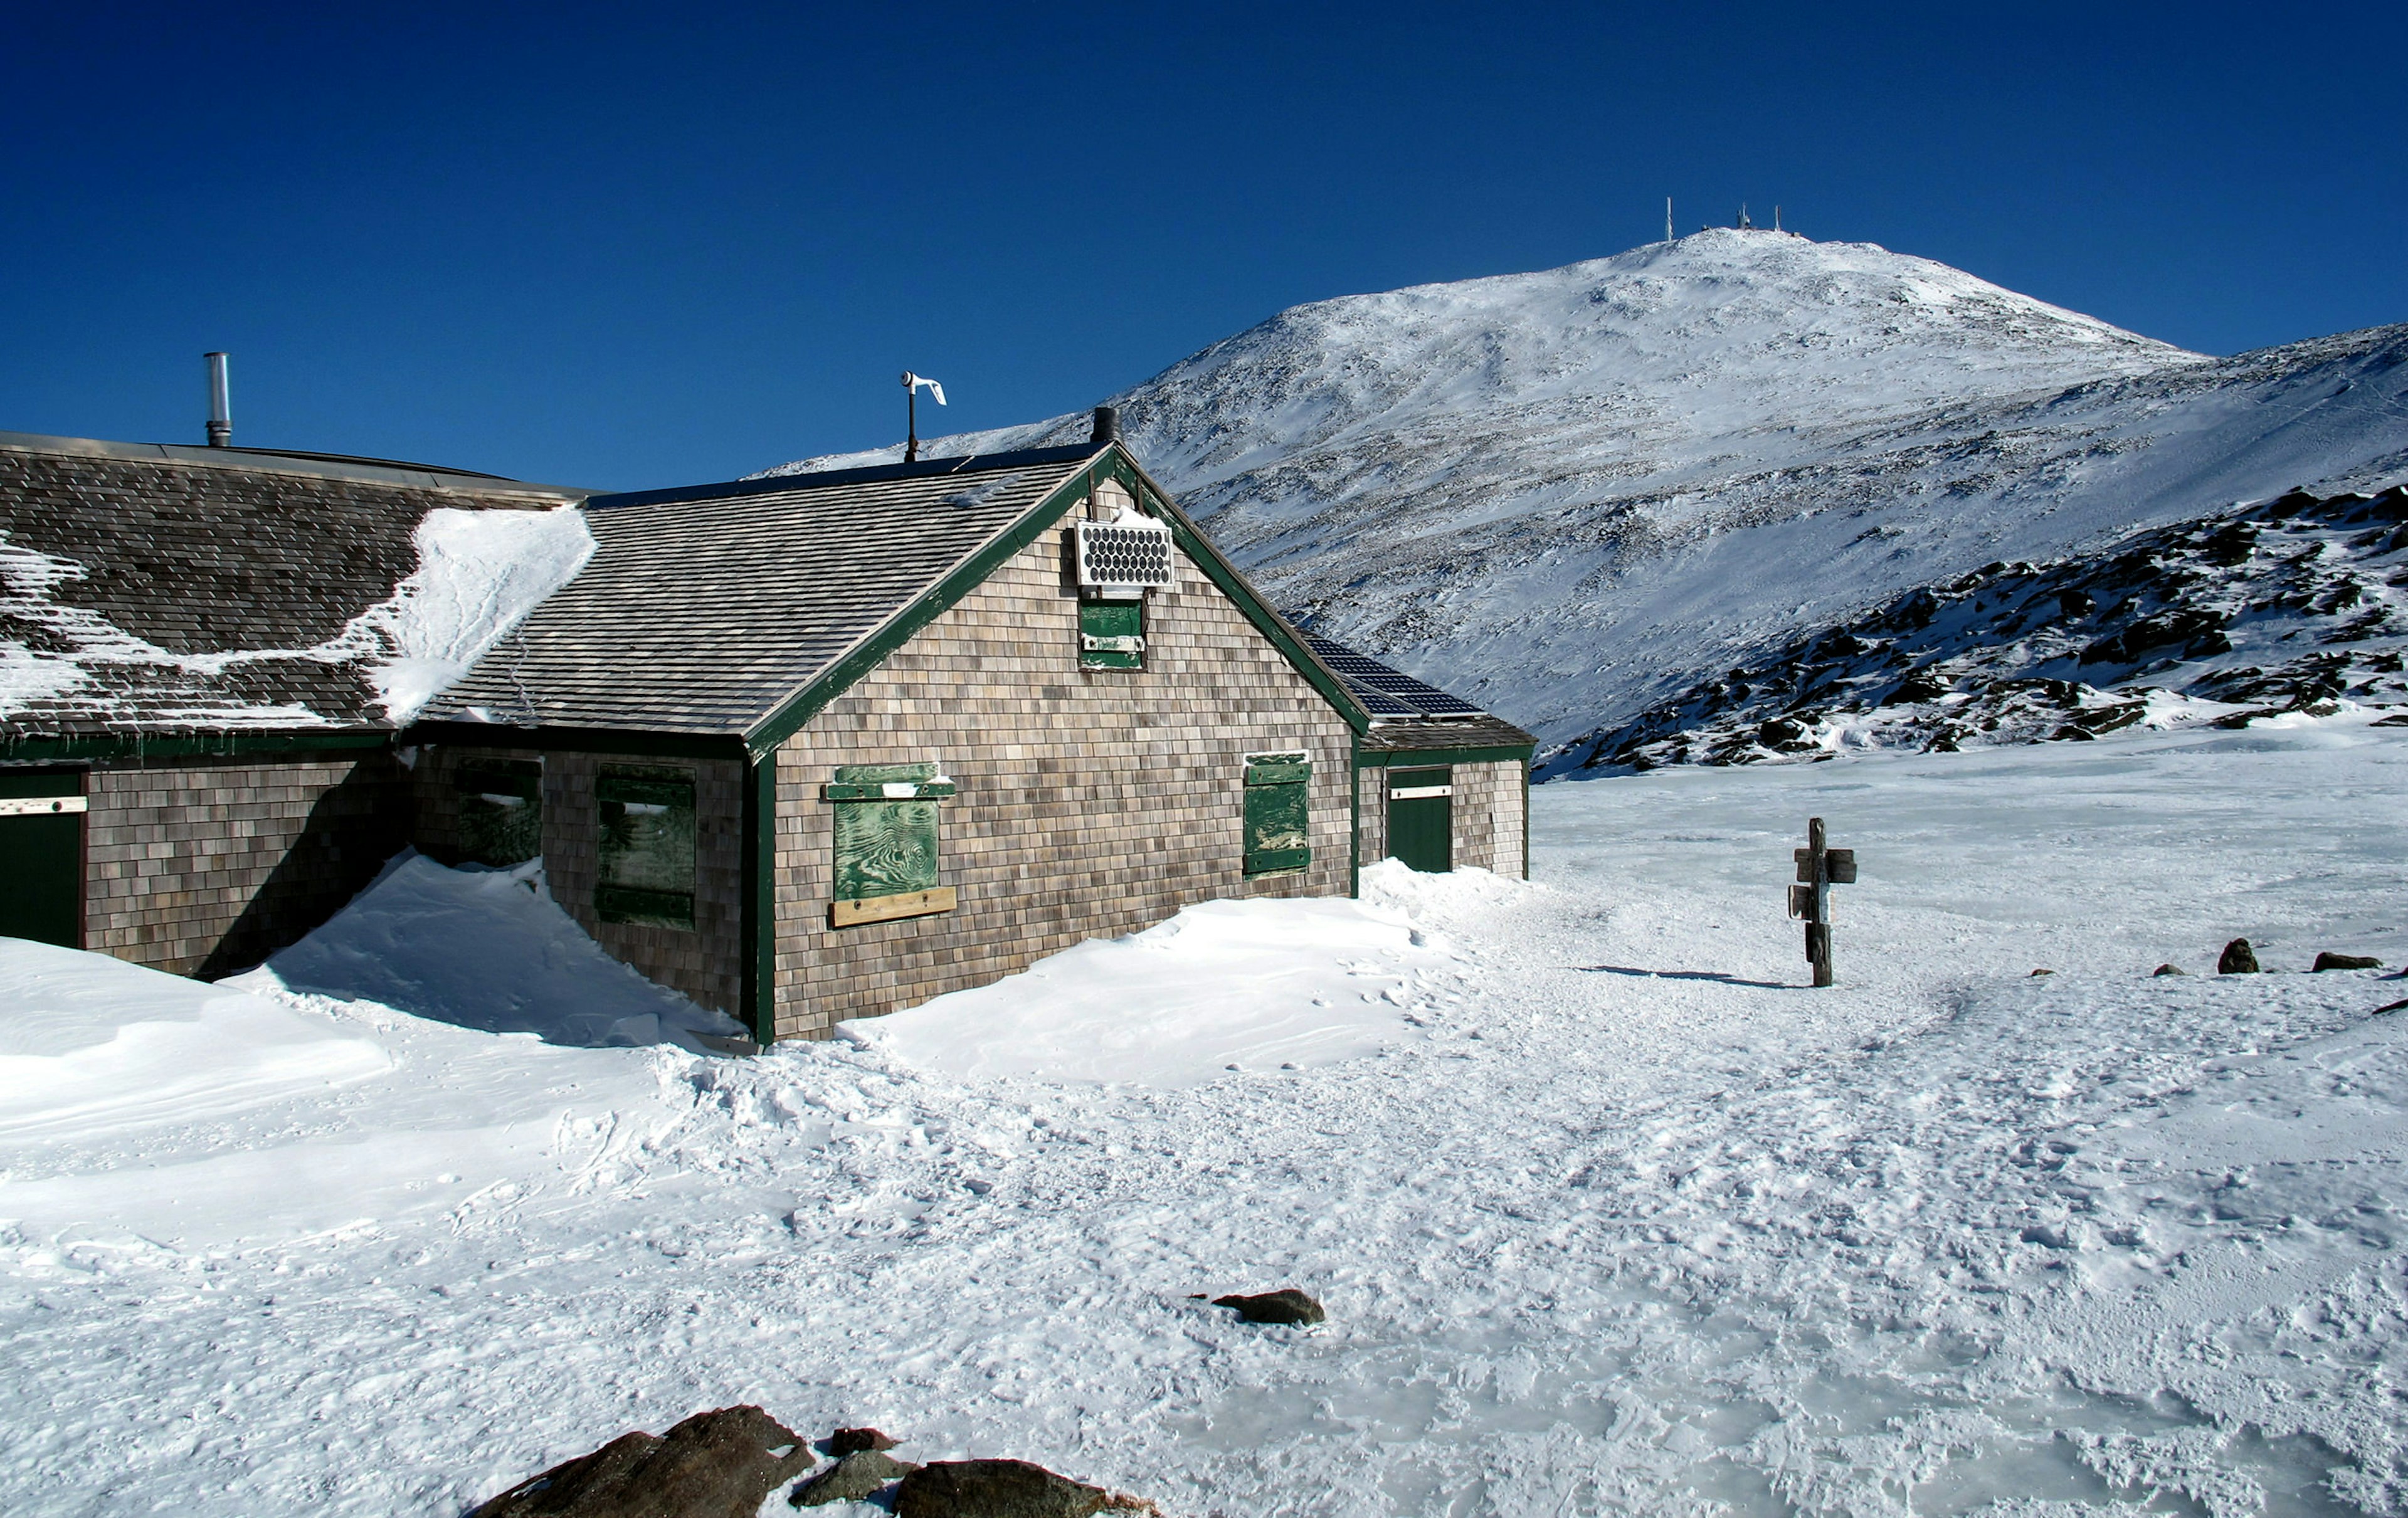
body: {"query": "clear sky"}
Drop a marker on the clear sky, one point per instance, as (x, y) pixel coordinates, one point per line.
(644, 244)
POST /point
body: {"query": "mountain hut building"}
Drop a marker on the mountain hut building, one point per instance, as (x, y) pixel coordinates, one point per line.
(803, 749)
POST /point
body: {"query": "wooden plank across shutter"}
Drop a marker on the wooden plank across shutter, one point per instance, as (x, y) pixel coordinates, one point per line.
(1111, 635)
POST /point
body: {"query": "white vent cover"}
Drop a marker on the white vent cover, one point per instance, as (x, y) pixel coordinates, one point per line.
(1127, 557)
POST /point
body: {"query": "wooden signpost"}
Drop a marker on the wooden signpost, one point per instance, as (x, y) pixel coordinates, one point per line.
(1819, 869)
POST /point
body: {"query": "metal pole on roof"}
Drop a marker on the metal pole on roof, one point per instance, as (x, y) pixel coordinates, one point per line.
(911, 417)
(221, 402)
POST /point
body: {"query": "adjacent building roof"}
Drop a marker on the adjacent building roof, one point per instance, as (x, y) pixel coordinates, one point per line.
(706, 611)
(155, 590)
(1408, 714)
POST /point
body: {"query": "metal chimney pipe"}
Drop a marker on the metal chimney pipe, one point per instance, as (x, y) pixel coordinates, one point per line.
(1107, 425)
(220, 403)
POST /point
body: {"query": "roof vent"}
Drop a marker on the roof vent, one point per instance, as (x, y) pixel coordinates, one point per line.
(221, 408)
(1107, 425)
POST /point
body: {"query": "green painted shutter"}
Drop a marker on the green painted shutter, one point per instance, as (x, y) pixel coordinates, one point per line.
(501, 809)
(646, 854)
(41, 843)
(1111, 635)
(884, 847)
(1278, 813)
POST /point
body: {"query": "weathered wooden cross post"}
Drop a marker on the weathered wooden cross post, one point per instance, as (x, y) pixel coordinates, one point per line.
(1819, 869)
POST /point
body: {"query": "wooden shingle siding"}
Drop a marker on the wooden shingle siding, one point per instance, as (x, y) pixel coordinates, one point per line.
(704, 964)
(207, 869)
(1488, 817)
(1091, 803)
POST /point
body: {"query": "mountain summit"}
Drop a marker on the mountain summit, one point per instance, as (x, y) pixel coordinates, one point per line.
(1571, 492)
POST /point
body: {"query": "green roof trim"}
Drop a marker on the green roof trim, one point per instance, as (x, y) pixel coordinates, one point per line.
(1409, 758)
(1237, 587)
(1110, 462)
(230, 745)
(625, 740)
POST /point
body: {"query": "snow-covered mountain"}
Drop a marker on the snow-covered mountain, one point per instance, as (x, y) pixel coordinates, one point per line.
(1573, 494)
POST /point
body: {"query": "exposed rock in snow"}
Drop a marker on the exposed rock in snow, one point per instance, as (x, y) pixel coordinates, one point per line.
(1571, 496)
(2294, 605)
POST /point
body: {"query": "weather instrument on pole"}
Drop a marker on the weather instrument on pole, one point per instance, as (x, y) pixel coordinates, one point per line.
(1819, 868)
(912, 383)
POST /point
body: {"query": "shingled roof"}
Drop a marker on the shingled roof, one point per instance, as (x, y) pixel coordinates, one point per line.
(705, 610)
(1410, 715)
(154, 590)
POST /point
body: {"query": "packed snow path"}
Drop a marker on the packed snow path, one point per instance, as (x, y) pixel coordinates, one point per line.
(1616, 1220)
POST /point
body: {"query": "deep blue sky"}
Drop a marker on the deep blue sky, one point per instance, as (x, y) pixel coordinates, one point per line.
(638, 246)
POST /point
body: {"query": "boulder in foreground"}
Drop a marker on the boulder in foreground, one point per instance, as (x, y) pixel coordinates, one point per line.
(2237, 959)
(2328, 960)
(1286, 1305)
(856, 1475)
(713, 1465)
(994, 1489)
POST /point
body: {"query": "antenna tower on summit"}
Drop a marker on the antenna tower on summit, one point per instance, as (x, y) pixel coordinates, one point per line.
(1668, 219)
(1776, 218)
(1744, 223)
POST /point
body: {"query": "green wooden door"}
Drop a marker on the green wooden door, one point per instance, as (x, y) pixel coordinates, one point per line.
(42, 858)
(1421, 819)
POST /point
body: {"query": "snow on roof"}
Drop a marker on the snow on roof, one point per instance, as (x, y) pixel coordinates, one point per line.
(161, 595)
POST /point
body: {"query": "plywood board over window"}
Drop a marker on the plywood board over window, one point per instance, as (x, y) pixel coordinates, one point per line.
(1279, 812)
(647, 837)
(885, 831)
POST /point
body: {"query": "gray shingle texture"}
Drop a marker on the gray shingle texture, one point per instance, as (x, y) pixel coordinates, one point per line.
(705, 614)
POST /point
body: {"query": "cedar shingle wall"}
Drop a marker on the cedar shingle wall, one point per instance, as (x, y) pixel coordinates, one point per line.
(1486, 817)
(208, 868)
(705, 965)
(1091, 803)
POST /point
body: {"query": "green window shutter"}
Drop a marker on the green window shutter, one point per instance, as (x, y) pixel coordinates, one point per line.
(501, 809)
(1278, 813)
(884, 847)
(1111, 635)
(646, 854)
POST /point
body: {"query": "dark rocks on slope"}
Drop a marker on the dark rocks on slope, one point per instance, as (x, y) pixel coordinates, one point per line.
(2170, 969)
(993, 1489)
(845, 1442)
(2328, 960)
(2237, 959)
(1287, 1305)
(713, 1465)
(856, 1475)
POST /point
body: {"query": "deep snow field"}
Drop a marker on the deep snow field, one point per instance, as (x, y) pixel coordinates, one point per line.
(1609, 1214)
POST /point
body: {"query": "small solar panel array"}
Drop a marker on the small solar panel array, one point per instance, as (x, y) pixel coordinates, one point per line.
(1386, 692)
(1124, 555)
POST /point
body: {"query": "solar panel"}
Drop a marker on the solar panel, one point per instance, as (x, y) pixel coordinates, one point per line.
(1387, 692)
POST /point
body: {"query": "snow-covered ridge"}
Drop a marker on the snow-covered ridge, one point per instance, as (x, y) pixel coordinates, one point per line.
(1571, 494)
(2292, 606)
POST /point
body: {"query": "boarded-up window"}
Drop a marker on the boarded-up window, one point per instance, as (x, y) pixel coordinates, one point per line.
(646, 854)
(1279, 812)
(501, 809)
(885, 844)
(1111, 635)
